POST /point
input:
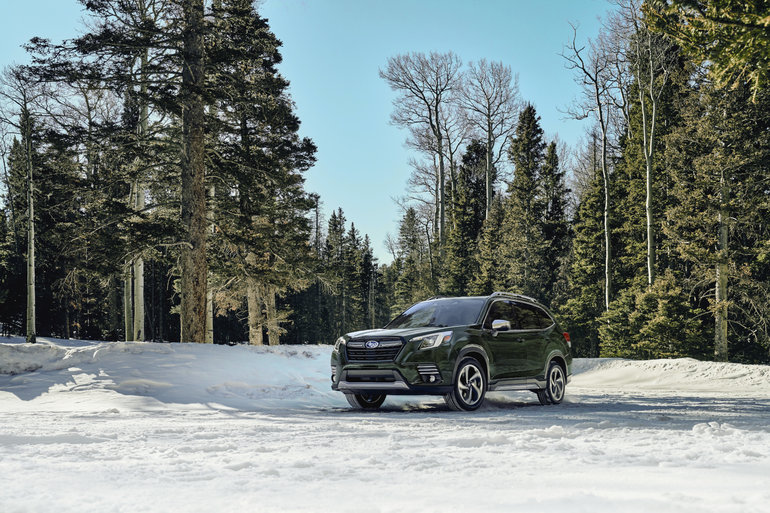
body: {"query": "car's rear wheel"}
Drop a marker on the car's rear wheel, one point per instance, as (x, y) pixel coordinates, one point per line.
(365, 401)
(469, 386)
(555, 384)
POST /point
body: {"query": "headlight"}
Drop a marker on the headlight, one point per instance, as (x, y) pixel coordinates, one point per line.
(433, 340)
(337, 344)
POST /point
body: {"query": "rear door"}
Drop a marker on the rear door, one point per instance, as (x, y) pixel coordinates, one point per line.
(534, 327)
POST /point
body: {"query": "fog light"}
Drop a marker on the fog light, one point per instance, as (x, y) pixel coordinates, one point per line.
(429, 373)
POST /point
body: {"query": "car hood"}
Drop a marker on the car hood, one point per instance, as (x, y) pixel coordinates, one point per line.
(406, 333)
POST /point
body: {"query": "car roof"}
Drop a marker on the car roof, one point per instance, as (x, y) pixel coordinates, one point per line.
(508, 295)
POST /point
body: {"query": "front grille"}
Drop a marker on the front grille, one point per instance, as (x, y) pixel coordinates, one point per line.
(386, 350)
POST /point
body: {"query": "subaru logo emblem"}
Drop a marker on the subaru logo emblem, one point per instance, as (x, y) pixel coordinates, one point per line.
(371, 344)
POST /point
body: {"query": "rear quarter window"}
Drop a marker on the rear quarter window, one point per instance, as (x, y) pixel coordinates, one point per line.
(532, 317)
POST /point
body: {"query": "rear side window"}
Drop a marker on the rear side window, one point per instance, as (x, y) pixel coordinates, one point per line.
(532, 317)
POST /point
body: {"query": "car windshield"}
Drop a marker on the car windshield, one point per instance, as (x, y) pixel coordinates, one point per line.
(440, 313)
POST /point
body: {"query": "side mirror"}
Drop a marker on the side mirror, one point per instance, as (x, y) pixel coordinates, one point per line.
(501, 325)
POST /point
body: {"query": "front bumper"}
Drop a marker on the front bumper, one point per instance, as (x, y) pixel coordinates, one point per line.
(383, 381)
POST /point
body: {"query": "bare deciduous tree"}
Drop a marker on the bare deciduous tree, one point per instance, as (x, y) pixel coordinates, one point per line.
(648, 58)
(425, 84)
(490, 97)
(592, 66)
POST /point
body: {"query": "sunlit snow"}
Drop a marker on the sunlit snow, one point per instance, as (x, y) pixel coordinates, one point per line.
(128, 427)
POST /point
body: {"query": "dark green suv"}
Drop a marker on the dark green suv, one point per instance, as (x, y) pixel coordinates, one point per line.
(457, 347)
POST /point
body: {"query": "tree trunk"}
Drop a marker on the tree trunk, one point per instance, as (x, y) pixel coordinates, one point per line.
(209, 288)
(31, 331)
(441, 190)
(273, 330)
(648, 145)
(607, 247)
(162, 309)
(128, 306)
(489, 170)
(67, 332)
(650, 230)
(255, 314)
(193, 262)
(139, 203)
(344, 319)
(138, 318)
(209, 315)
(606, 179)
(720, 307)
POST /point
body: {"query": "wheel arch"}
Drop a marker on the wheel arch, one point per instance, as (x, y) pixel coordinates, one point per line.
(476, 352)
(559, 358)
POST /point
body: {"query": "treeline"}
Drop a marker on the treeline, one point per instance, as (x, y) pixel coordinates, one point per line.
(650, 239)
(153, 184)
(681, 189)
(661, 248)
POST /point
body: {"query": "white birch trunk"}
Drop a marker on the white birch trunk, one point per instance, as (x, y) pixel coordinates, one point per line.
(31, 331)
(209, 289)
(138, 329)
(128, 307)
(720, 311)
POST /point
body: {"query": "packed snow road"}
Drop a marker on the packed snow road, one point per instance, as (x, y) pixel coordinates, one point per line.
(169, 427)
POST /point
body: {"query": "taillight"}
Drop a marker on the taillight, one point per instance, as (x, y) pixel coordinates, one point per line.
(566, 339)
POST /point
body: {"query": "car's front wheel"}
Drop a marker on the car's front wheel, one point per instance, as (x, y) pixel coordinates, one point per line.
(555, 384)
(469, 386)
(365, 401)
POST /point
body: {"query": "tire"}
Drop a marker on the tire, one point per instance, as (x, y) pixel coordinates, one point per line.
(555, 383)
(542, 397)
(365, 401)
(469, 388)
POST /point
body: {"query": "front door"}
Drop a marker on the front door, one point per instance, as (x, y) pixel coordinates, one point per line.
(507, 350)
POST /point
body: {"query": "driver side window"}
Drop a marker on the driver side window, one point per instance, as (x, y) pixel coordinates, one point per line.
(503, 310)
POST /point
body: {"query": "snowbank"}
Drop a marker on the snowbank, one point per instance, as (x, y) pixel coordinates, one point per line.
(680, 375)
(287, 377)
(240, 377)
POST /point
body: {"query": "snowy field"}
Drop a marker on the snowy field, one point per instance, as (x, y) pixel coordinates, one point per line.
(132, 427)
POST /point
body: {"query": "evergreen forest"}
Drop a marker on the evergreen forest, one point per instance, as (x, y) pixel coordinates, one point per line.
(153, 186)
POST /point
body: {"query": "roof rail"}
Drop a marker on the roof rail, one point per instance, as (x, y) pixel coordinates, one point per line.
(512, 295)
(434, 297)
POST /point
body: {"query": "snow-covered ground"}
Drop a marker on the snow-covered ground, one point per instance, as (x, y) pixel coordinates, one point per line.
(131, 427)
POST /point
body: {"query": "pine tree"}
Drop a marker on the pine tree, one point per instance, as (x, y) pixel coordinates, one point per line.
(652, 322)
(718, 223)
(415, 268)
(261, 246)
(490, 275)
(524, 246)
(556, 228)
(469, 211)
(586, 272)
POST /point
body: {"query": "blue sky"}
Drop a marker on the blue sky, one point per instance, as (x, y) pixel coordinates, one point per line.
(332, 52)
